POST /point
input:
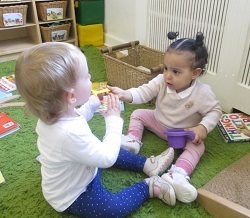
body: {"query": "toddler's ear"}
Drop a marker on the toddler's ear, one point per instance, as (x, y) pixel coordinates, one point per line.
(71, 96)
(196, 73)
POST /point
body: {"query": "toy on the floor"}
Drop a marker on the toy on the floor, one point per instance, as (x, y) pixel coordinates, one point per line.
(177, 137)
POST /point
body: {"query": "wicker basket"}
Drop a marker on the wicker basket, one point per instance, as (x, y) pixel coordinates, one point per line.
(55, 33)
(13, 10)
(55, 10)
(137, 67)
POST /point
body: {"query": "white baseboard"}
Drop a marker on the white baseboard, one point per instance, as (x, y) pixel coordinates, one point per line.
(111, 40)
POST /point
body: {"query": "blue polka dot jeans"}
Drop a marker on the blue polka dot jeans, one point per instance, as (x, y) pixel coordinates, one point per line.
(99, 202)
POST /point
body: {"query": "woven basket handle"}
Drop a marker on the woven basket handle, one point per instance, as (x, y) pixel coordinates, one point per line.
(121, 46)
(157, 69)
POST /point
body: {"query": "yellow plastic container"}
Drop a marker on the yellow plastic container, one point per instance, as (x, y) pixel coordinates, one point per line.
(90, 34)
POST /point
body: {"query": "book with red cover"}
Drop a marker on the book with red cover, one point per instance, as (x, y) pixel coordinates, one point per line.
(7, 125)
(234, 127)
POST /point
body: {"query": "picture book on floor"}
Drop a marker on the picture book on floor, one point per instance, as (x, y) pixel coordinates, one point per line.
(2, 180)
(99, 88)
(7, 83)
(235, 127)
(4, 94)
(7, 125)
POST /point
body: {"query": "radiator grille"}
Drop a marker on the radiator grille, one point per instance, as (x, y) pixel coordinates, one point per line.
(245, 78)
(188, 18)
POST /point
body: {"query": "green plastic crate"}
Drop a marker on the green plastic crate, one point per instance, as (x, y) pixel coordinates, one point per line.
(89, 12)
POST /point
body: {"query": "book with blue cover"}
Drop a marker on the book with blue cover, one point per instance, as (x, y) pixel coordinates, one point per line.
(4, 94)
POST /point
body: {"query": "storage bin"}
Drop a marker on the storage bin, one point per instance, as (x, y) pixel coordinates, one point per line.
(89, 12)
(13, 15)
(54, 10)
(55, 33)
(131, 65)
(90, 34)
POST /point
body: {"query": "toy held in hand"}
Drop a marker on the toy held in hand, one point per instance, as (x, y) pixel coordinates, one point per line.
(104, 105)
(177, 137)
(100, 88)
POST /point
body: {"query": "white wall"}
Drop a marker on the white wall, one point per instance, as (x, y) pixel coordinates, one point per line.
(124, 21)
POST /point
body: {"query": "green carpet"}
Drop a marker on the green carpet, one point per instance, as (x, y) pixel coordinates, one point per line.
(21, 196)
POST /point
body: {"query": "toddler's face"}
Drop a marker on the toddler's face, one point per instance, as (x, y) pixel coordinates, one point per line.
(178, 74)
(83, 86)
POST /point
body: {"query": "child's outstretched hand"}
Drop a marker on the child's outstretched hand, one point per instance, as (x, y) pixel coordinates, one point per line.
(122, 94)
(113, 106)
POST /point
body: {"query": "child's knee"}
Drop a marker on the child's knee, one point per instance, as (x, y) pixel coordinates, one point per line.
(138, 113)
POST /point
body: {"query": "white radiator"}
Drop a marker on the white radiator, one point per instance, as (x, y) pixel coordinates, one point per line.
(226, 27)
(188, 18)
(245, 77)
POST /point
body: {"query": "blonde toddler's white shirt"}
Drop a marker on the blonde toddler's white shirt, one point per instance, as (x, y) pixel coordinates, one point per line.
(70, 154)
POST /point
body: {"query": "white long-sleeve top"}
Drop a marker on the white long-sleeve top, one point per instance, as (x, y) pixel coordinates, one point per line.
(193, 106)
(70, 154)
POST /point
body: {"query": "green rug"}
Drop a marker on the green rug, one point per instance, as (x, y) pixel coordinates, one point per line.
(21, 196)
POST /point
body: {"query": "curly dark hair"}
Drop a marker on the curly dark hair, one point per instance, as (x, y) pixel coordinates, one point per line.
(194, 46)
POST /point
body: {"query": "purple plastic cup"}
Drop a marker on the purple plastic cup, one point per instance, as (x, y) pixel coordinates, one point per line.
(177, 138)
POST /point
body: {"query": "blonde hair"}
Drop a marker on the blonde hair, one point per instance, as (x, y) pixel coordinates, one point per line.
(44, 74)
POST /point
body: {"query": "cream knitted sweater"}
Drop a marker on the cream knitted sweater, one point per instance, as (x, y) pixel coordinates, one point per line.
(193, 106)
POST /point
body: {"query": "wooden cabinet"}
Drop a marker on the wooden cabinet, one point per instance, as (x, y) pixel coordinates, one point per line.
(15, 39)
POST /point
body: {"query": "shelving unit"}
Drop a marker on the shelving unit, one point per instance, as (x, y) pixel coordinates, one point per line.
(14, 40)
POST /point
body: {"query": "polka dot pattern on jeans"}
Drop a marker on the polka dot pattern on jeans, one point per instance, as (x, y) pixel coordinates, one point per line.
(99, 202)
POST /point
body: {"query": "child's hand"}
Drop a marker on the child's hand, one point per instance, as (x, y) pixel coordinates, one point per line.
(100, 96)
(113, 106)
(200, 132)
(122, 94)
(117, 91)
